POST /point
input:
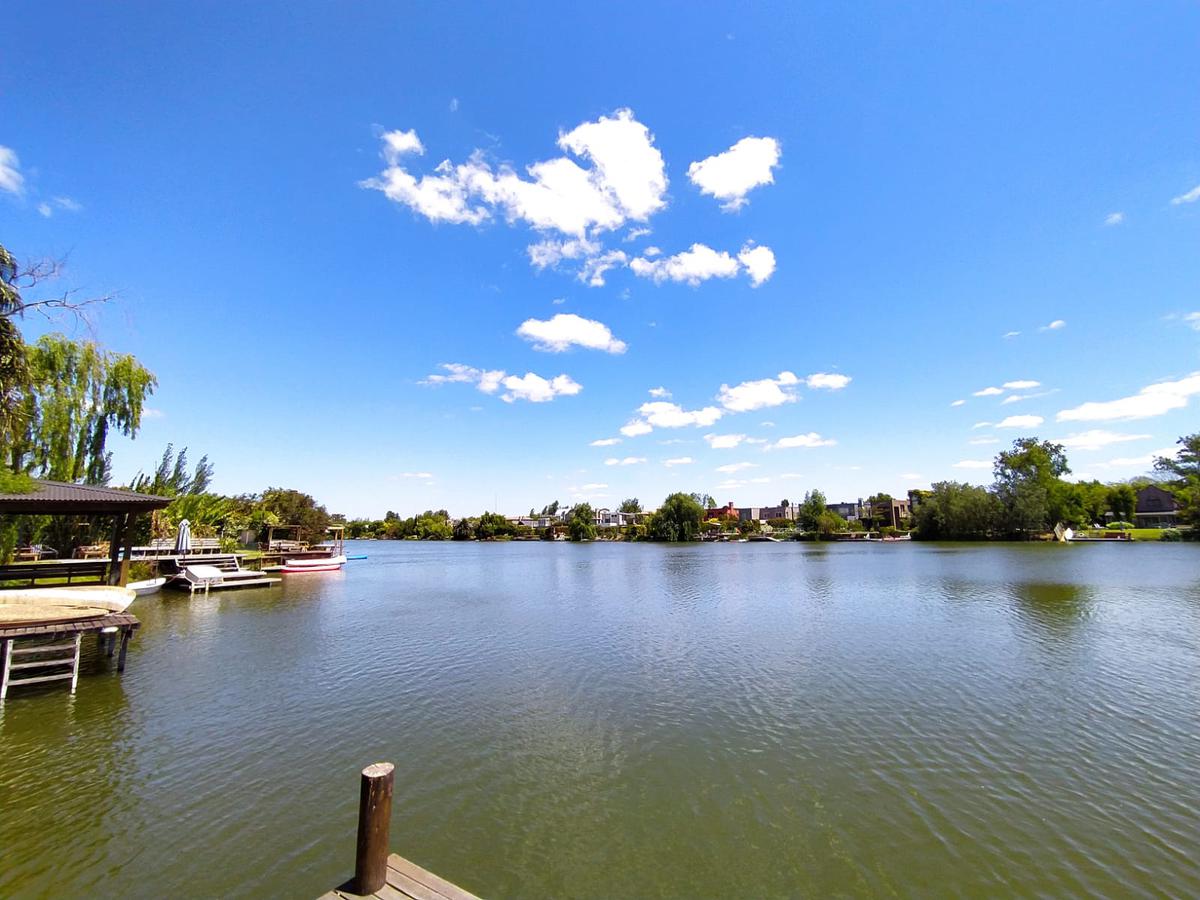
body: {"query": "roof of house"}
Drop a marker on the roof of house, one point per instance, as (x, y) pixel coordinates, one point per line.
(1153, 499)
(60, 498)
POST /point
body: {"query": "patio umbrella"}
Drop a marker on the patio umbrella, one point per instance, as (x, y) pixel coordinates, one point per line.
(183, 540)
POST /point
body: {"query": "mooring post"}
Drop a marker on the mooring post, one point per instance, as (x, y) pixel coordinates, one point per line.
(374, 827)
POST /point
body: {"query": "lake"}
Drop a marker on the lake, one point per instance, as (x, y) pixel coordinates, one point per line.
(598, 720)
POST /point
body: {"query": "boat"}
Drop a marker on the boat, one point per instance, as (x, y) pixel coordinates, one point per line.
(895, 539)
(29, 606)
(149, 586)
(357, 556)
(763, 538)
(326, 564)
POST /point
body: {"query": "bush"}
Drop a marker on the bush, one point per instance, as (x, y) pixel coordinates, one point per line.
(1119, 526)
(1171, 534)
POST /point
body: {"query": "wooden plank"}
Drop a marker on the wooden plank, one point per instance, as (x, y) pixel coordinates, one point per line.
(427, 878)
(62, 661)
(15, 681)
(45, 648)
(403, 886)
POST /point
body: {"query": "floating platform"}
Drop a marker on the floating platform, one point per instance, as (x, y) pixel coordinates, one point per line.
(44, 650)
(406, 881)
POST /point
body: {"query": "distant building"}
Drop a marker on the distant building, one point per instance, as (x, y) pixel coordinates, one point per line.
(851, 512)
(1155, 508)
(791, 511)
(895, 515)
(721, 512)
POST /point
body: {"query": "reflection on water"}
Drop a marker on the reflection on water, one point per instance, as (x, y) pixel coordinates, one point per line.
(597, 721)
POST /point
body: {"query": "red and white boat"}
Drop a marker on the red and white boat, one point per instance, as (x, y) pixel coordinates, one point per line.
(323, 564)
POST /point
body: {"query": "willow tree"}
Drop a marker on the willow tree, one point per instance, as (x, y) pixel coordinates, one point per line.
(76, 395)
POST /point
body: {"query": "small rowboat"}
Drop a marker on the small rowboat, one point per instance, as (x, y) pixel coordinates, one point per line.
(150, 586)
(328, 564)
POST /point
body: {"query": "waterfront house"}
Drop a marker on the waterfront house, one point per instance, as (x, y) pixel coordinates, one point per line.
(1155, 508)
(851, 512)
(728, 511)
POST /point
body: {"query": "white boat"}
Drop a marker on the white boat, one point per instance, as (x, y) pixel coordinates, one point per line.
(150, 586)
(321, 564)
(27, 605)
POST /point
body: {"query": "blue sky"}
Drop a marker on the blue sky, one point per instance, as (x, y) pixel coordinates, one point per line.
(814, 229)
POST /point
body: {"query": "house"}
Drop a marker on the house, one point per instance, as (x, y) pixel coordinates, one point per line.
(728, 511)
(851, 512)
(1155, 508)
(750, 514)
(898, 513)
(791, 511)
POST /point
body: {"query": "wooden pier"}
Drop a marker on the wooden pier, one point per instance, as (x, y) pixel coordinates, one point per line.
(378, 873)
(49, 648)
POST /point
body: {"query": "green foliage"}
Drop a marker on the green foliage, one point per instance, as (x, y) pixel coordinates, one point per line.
(630, 505)
(75, 396)
(678, 519)
(1119, 526)
(1122, 501)
(780, 524)
(15, 482)
(811, 510)
(1028, 484)
(581, 526)
(492, 526)
(829, 523)
(1171, 534)
(1184, 471)
(291, 507)
(171, 478)
(956, 511)
(463, 530)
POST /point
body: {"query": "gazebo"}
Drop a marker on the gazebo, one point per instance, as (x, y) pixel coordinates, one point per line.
(57, 498)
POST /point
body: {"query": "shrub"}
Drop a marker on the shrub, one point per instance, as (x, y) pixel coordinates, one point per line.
(1119, 526)
(1171, 534)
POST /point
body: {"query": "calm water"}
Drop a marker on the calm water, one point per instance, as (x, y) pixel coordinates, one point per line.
(599, 721)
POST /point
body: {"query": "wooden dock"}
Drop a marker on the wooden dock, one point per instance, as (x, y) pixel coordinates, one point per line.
(378, 873)
(406, 881)
(51, 647)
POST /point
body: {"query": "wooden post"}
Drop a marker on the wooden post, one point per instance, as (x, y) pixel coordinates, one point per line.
(126, 634)
(5, 659)
(114, 549)
(374, 826)
(127, 541)
(75, 662)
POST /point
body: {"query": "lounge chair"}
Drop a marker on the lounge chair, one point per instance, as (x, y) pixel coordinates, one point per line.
(201, 577)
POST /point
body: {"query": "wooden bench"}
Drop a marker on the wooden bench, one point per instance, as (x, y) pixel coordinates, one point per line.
(72, 572)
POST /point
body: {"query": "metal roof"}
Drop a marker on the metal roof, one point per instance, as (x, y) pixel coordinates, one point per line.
(61, 498)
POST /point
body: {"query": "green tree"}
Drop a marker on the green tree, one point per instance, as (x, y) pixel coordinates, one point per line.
(881, 510)
(581, 526)
(956, 511)
(1184, 472)
(811, 509)
(829, 523)
(463, 530)
(290, 507)
(630, 505)
(1122, 502)
(678, 519)
(171, 477)
(1028, 484)
(491, 526)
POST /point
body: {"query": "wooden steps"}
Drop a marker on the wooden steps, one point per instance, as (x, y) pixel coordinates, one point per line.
(406, 881)
(67, 654)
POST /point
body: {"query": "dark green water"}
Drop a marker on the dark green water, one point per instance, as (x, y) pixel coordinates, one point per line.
(634, 721)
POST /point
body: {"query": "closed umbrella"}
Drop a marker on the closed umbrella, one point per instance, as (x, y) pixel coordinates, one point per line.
(183, 540)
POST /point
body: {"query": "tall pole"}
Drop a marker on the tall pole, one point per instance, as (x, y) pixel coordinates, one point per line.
(374, 827)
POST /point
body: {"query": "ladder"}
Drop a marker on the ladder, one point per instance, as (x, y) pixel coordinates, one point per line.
(37, 660)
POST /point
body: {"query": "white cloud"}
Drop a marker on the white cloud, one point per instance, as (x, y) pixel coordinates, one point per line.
(989, 392)
(566, 330)
(660, 392)
(626, 180)
(973, 464)
(730, 468)
(605, 442)
(1153, 400)
(1190, 197)
(587, 488)
(678, 461)
(45, 210)
(1115, 218)
(1193, 319)
(423, 475)
(11, 179)
(662, 414)
(750, 395)
(537, 389)
(635, 428)
(1013, 398)
(1022, 385)
(529, 387)
(981, 425)
(1141, 462)
(152, 413)
(627, 461)
(958, 402)
(729, 176)
(760, 480)
(634, 233)
(812, 439)
(1011, 334)
(692, 266)
(827, 381)
(1020, 422)
(1098, 438)
(724, 441)
(759, 263)
(1054, 326)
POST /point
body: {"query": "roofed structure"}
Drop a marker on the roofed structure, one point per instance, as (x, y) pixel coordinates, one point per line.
(49, 498)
